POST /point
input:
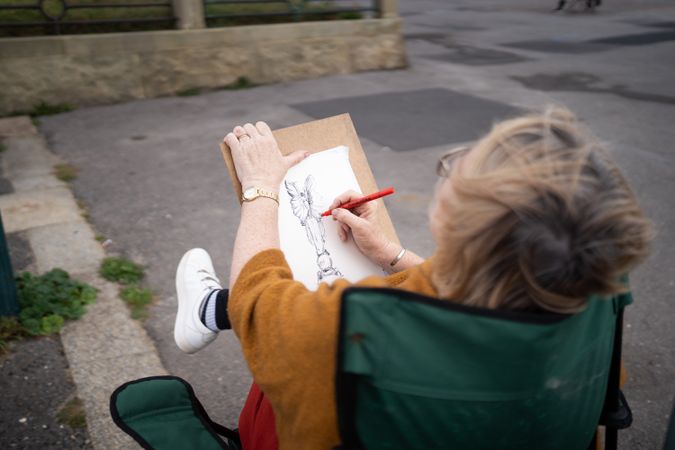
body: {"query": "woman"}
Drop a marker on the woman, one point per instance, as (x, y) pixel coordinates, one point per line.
(535, 216)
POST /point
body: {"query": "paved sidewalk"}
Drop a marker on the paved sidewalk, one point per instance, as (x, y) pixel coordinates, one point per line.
(153, 181)
(105, 347)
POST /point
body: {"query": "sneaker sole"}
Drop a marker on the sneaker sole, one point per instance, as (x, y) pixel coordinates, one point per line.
(180, 324)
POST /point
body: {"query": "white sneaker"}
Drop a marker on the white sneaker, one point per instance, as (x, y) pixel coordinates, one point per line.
(195, 278)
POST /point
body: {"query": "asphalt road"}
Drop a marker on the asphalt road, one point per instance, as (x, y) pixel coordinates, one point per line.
(152, 178)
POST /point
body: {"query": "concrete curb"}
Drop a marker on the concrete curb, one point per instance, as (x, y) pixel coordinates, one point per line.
(106, 347)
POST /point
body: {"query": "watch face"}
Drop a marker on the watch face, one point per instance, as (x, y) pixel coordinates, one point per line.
(249, 193)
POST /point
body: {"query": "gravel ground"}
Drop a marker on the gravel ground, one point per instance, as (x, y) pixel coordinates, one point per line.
(35, 384)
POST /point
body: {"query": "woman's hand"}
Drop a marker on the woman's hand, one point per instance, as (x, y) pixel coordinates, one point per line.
(257, 158)
(361, 223)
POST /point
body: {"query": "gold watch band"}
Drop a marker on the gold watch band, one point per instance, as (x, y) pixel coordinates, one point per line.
(253, 193)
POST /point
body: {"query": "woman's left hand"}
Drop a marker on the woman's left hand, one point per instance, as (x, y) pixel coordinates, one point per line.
(257, 158)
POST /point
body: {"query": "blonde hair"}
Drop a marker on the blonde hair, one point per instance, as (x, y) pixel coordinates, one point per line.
(540, 217)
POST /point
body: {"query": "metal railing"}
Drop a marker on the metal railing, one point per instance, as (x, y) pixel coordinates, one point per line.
(73, 16)
(218, 12)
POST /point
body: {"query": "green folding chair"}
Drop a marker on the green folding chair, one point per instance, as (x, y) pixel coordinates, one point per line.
(419, 373)
(163, 413)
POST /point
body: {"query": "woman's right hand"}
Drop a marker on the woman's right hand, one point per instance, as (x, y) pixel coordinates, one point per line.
(361, 223)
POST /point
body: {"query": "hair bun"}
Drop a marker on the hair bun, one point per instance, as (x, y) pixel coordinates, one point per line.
(556, 257)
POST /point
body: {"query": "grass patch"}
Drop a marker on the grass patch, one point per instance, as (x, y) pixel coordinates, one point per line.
(46, 302)
(240, 83)
(49, 109)
(10, 330)
(3, 147)
(99, 237)
(121, 270)
(65, 172)
(128, 274)
(138, 299)
(350, 15)
(41, 109)
(72, 414)
(84, 212)
(189, 92)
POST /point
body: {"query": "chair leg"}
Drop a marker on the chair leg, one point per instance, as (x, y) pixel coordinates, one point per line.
(611, 438)
(593, 445)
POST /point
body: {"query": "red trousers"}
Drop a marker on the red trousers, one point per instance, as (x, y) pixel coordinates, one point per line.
(256, 422)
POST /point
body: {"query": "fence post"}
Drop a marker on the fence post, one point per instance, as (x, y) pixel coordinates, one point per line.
(8, 303)
(388, 8)
(190, 14)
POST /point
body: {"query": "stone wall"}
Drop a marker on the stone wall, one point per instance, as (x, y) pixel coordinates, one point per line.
(106, 68)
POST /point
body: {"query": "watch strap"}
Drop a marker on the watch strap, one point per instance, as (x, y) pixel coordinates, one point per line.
(261, 193)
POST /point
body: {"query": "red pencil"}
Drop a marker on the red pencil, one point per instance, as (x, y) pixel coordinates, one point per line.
(358, 202)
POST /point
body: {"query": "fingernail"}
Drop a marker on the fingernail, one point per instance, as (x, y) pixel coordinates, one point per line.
(334, 212)
(306, 154)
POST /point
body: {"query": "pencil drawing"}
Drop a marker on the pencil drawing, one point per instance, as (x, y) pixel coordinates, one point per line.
(303, 204)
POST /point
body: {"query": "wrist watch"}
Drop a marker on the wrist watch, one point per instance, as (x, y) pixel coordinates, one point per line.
(250, 194)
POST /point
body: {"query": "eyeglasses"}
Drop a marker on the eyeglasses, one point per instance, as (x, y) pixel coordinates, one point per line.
(444, 166)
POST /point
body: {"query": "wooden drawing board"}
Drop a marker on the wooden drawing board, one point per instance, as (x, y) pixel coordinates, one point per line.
(321, 135)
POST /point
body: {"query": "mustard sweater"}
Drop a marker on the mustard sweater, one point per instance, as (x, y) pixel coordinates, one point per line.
(288, 335)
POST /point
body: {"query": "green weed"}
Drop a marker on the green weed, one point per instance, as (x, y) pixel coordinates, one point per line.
(240, 83)
(121, 270)
(10, 330)
(72, 414)
(48, 300)
(84, 212)
(48, 109)
(138, 299)
(65, 172)
(189, 92)
(3, 147)
(350, 15)
(41, 109)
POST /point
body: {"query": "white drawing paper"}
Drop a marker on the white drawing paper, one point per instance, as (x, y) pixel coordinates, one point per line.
(310, 242)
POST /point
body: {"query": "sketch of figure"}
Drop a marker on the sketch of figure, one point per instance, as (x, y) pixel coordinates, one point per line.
(304, 208)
